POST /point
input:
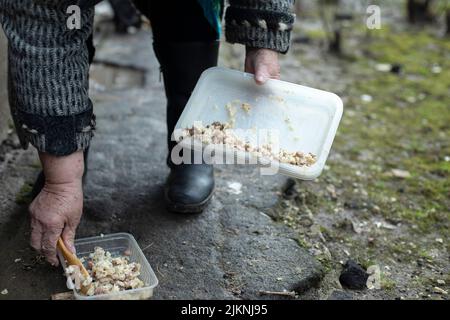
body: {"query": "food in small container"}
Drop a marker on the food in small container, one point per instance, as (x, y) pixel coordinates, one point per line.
(107, 274)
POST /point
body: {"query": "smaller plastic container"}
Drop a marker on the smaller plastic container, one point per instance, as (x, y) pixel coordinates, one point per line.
(117, 244)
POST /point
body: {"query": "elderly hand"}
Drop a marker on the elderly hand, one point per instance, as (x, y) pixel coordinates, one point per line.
(57, 210)
(263, 63)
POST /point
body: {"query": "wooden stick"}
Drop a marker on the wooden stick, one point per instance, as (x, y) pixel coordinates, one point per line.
(72, 260)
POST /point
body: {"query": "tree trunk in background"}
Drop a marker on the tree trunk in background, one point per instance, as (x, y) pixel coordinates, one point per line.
(419, 11)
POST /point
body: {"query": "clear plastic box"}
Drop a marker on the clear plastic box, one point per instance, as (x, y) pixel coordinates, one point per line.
(117, 244)
(314, 115)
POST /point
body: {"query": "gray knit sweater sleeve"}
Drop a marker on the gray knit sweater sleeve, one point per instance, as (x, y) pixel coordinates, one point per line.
(260, 23)
(48, 74)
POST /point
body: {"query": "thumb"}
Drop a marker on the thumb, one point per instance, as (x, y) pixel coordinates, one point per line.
(68, 236)
(261, 74)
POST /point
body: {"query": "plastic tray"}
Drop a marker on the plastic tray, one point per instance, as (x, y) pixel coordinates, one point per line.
(313, 115)
(116, 244)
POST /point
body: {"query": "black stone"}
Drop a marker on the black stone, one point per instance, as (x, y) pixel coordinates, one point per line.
(353, 276)
(396, 68)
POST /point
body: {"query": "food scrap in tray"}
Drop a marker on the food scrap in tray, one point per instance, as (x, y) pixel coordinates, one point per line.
(220, 133)
(246, 107)
(107, 274)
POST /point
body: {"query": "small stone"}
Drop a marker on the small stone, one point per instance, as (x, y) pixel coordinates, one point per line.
(396, 68)
(411, 99)
(17, 260)
(366, 98)
(439, 240)
(383, 67)
(388, 226)
(4, 292)
(439, 291)
(356, 227)
(374, 280)
(376, 209)
(436, 69)
(353, 276)
(402, 174)
(440, 282)
(234, 188)
(332, 191)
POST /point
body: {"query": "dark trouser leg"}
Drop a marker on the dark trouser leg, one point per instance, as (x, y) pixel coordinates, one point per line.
(182, 63)
(189, 186)
(125, 15)
(185, 46)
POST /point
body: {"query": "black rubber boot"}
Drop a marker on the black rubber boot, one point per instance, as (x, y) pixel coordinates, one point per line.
(40, 180)
(189, 187)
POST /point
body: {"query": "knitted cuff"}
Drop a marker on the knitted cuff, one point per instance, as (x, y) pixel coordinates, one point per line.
(259, 28)
(57, 135)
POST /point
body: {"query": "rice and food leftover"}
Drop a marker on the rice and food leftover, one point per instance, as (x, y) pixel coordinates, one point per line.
(107, 274)
(222, 133)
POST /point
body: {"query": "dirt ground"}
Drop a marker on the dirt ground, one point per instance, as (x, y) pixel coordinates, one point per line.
(384, 198)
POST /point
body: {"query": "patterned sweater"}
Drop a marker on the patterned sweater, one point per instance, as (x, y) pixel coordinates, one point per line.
(48, 71)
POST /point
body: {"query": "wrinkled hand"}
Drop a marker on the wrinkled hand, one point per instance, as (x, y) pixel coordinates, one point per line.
(263, 63)
(57, 209)
(56, 212)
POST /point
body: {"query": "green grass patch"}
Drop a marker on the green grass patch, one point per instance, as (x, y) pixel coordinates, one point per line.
(24, 194)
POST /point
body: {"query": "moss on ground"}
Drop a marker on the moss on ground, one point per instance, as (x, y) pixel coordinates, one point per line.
(405, 126)
(24, 194)
(401, 123)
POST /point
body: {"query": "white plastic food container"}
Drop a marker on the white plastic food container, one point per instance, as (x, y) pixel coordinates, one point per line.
(117, 244)
(305, 119)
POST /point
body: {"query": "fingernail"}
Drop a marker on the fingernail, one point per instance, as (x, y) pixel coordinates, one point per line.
(260, 79)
